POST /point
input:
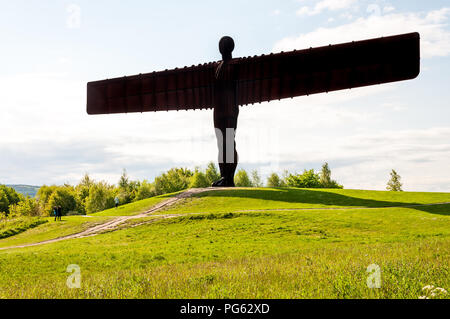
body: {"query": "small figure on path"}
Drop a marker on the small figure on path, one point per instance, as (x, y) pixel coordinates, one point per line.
(55, 212)
(116, 201)
(59, 210)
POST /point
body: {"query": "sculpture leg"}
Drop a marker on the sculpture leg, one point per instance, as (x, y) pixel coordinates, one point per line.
(228, 157)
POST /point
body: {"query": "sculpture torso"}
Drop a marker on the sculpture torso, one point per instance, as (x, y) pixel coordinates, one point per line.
(225, 103)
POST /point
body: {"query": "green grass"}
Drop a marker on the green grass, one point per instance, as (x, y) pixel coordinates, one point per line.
(134, 208)
(294, 198)
(267, 254)
(11, 227)
(52, 229)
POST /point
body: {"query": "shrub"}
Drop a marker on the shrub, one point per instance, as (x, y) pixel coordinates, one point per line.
(145, 190)
(27, 207)
(16, 226)
(63, 196)
(241, 179)
(199, 180)
(101, 197)
(256, 179)
(274, 180)
(8, 196)
(174, 180)
(211, 173)
(4, 202)
(325, 178)
(394, 184)
(309, 179)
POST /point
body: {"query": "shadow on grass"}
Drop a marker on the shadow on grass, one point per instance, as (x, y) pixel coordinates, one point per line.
(323, 197)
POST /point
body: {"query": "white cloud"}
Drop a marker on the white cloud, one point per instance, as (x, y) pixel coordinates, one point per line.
(388, 9)
(435, 36)
(330, 5)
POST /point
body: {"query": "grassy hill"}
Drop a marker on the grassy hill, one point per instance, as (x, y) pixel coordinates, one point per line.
(244, 243)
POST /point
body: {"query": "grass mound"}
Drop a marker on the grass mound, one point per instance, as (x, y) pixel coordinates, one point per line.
(134, 208)
(247, 199)
(247, 243)
(16, 226)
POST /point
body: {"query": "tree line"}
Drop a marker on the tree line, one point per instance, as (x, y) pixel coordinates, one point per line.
(90, 196)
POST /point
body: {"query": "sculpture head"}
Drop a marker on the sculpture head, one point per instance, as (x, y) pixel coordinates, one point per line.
(226, 47)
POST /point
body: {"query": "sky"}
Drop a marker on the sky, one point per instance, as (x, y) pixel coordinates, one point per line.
(51, 49)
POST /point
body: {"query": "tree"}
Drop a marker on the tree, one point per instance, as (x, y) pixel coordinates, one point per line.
(211, 173)
(82, 192)
(4, 202)
(65, 197)
(13, 196)
(284, 178)
(124, 180)
(145, 190)
(325, 176)
(256, 179)
(394, 184)
(101, 197)
(44, 194)
(174, 180)
(199, 180)
(8, 196)
(309, 179)
(274, 180)
(27, 207)
(127, 189)
(86, 181)
(241, 179)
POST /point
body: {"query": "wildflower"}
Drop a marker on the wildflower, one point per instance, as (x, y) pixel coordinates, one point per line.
(441, 290)
(429, 287)
(432, 291)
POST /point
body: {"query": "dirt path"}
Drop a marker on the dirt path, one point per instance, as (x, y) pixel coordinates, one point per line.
(116, 222)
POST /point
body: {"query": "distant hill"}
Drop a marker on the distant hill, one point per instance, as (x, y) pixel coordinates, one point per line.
(25, 189)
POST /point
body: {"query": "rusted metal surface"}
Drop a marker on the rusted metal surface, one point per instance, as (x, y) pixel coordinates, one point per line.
(329, 68)
(263, 78)
(178, 89)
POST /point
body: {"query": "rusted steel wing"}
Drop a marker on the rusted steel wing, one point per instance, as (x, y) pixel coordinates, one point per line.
(329, 68)
(178, 89)
(263, 78)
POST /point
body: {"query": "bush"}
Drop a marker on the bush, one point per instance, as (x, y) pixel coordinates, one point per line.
(309, 179)
(394, 184)
(127, 190)
(212, 175)
(274, 180)
(4, 202)
(325, 178)
(199, 180)
(44, 193)
(101, 197)
(174, 180)
(8, 196)
(63, 196)
(145, 190)
(256, 179)
(27, 207)
(241, 179)
(16, 226)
